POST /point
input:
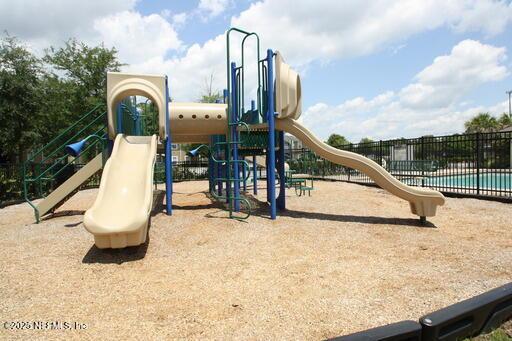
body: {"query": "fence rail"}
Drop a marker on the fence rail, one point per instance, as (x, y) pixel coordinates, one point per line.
(477, 164)
(470, 164)
(11, 178)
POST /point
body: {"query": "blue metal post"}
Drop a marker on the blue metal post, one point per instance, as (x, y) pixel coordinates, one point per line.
(137, 123)
(168, 155)
(136, 118)
(281, 203)
(234, 138)
(266, 175)
(211, 168)
(254, 167)
(244, 175)
(253, 109)
(110, 147)
(119, 112)
(218, 165)
(254, 175)
(224, 170)
(271, 134)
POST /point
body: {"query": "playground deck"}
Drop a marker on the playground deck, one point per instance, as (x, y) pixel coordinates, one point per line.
(348, 258)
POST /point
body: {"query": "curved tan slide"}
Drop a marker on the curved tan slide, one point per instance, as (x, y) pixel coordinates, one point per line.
(423, 201)
(120, 214)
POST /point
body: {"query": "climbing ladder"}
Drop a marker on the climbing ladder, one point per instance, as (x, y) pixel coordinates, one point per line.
(250, 132)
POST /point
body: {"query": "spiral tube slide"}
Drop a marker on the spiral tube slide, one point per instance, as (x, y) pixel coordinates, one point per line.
(423, 202)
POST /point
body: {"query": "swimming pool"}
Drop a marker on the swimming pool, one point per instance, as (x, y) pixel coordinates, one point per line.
(499, 181)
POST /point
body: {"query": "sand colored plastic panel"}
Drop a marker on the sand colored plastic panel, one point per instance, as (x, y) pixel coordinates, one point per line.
(120, 215)
(288, 90)
(71, 184)
(121, 85)
(194, 122)
(423, 202)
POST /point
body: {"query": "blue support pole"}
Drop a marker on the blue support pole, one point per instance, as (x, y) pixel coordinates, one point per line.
(136, 119)
(281, 203)
(211, 168)
(254, 167)
(110, 147)
(137, 122)
(254, 115)
(254, 175)
(224, 168)
(266, 176)
(168, 155)
(244, 175)
(271, 134)
(218, 165)
(225, 174)
(234, 139)
(119, 112)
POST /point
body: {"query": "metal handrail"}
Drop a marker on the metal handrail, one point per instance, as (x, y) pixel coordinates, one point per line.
(32, 155)
(73, 138)
(61, 158)
(39, 177)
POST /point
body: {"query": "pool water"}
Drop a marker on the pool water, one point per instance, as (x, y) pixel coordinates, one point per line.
(500, 181)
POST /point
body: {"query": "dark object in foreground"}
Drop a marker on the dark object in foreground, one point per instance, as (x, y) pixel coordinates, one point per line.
(477, 315)
(404, 330)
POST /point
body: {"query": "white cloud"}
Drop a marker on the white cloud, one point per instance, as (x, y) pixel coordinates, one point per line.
(304, 31)
(137, 38)
(50, 22)
(188, 73)
(450, 77)
(431, 105)
(180, 19)
(213, 8)
(490, 17)
(328, 30)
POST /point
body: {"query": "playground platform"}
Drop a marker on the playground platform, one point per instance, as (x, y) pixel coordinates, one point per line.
(348, 258)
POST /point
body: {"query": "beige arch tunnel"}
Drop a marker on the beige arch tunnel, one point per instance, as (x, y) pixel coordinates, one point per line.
(190, 122)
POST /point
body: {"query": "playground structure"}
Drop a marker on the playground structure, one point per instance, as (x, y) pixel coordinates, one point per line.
(229, 131)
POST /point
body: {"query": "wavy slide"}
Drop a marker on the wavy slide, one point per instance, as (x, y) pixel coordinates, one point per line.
(423, 202)
(120, 215)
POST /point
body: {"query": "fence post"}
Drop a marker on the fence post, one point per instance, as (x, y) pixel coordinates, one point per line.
(477, 163)
(422, 152)
(380, 152)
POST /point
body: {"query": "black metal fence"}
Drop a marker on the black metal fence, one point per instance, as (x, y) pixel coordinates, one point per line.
(470, 164)
(11, 181)
(182, 170)
(477, 164)
(11, 178)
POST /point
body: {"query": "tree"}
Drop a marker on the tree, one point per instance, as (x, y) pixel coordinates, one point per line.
(209, 95)
(504, 121)
(481, 123)
(20, 72)
(366, 140)
(84, 69)
(337, 141)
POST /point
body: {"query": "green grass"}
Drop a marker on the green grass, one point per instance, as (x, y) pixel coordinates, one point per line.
(504, 333)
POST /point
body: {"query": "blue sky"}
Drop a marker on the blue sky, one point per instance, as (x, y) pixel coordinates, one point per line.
(378, 69)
